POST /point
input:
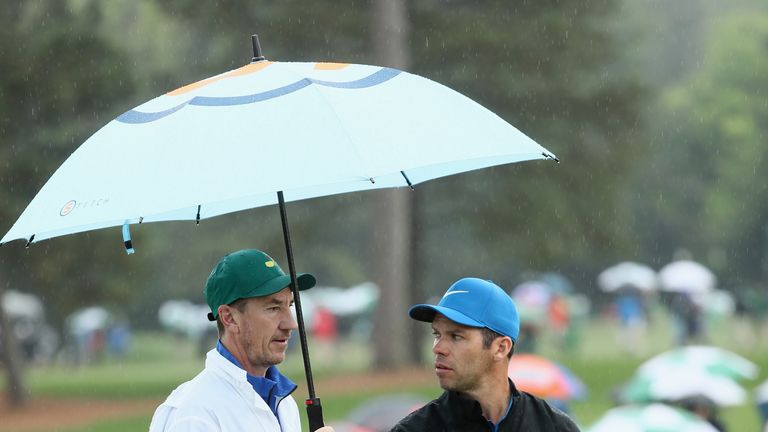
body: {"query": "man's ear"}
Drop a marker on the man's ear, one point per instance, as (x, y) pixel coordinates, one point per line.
(228, 319)
(503, 348)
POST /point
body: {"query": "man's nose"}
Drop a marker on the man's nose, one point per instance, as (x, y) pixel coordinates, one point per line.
(289, 323)
(440, 347)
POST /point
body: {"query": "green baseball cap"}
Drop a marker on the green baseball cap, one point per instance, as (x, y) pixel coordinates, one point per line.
(245, 274)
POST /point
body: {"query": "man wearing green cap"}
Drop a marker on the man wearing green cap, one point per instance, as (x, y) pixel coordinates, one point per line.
(241, 388)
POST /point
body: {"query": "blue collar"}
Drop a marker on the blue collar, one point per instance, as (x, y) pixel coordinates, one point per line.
(495, 426)
(273, 387)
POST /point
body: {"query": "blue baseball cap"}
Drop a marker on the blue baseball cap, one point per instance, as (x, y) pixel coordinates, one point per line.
(474, 302)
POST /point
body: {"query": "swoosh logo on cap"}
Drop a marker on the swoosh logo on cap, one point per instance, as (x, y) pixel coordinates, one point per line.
(454, 292)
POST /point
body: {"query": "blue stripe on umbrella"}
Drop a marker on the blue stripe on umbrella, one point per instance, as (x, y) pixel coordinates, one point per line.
(376, 78)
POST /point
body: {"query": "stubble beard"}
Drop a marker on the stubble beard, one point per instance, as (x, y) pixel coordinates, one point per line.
(264, 357)
(468, 379)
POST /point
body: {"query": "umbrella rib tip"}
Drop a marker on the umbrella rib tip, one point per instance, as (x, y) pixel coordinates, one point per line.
(407, 180)
(550, 156)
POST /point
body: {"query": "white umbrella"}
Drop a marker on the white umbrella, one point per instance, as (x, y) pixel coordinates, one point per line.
(761, 392)
(19, 304)
(185, 317)
(89, 319)
(707, 359)
(650, 418)
(266, 133)
(627, 274)
(233, 141)
(678, 384)
(534, 294)
(686, 276)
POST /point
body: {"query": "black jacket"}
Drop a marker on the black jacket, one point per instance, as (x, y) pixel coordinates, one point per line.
(452, 412)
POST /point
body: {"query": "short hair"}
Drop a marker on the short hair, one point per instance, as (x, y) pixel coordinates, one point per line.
(238, 304)
(489, 336)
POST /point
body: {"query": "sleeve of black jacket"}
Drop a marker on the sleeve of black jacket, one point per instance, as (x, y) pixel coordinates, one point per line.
(450, 414)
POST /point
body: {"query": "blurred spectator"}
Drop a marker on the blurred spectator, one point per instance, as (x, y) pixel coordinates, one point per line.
(704, 408)
(324, 332)
(118, 339)
(687, 317)
(755, 303)
(761, 399)
(532, 298)
(559, 318)
(93, 333)
(528, 339)
(188, 320)
(37, 340)
(632, 319)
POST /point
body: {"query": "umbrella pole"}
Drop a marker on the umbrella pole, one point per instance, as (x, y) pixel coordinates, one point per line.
(314, 409)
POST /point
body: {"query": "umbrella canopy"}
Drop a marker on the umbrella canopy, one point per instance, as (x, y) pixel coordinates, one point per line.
(89, 319)
(534, 294)
(650, 418)
(232, 141)
(545, 378)
(707, 359)
(558, 283)
(382, 413)
(686, 276)
(19, 304)
(627, 275)
(679, 384)
(761, 392)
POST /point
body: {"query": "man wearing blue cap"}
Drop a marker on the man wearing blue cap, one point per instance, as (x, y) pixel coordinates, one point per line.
(476, 325)
(241, 388)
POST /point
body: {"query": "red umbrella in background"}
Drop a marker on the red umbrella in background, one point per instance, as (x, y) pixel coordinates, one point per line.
(545, 378)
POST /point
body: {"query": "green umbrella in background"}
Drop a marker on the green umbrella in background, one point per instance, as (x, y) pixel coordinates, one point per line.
(650, 418)
(678, 384)
(708, 359)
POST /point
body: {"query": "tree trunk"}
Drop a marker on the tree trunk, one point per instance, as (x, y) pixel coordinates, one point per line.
(392, 232)
(417, 292)
(11, 358)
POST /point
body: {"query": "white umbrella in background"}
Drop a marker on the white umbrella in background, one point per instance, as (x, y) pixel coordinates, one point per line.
(345, 301)
(650, 418)
(761, 392)
(185, 317)
(89, 319)
(19, 304)
(707, 359)
(717, 303)
(678, 384)
(532, 299)
(534, 294)
(627, 274)
(686, 276)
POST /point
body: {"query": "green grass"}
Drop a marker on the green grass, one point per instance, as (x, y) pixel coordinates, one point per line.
(158, 363)
(135, 423)
(155, 366)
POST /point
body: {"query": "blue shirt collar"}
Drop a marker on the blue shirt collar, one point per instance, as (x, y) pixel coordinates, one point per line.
(273, 387)
(495, 426)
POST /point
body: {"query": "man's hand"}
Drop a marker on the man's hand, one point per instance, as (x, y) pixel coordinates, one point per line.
(325, 429)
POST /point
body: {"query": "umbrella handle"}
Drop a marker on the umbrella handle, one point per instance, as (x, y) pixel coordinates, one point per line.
(314, 414)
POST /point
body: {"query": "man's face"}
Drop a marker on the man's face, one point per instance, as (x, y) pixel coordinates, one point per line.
(265, 326)
(461, 362)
